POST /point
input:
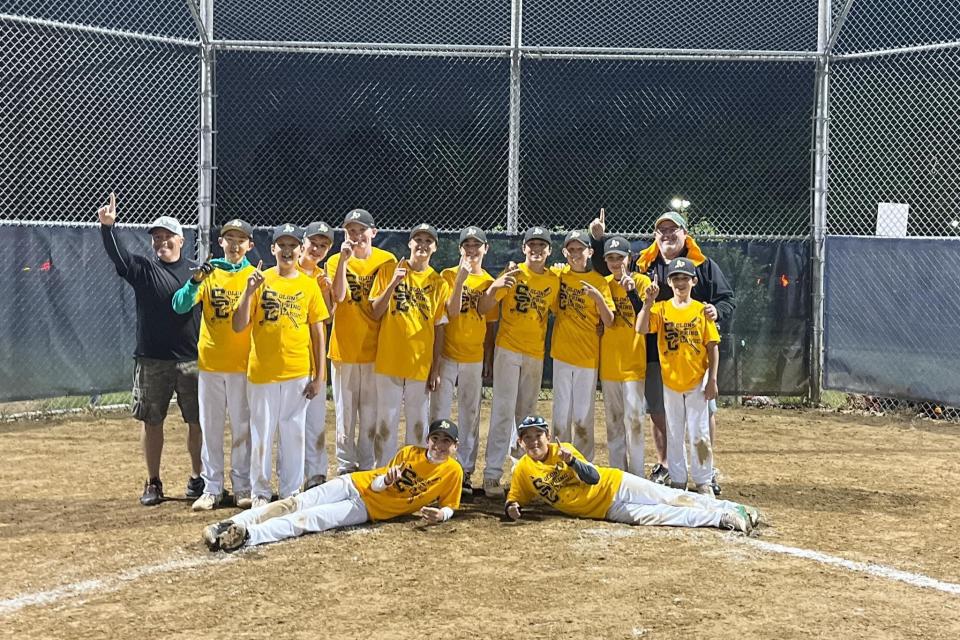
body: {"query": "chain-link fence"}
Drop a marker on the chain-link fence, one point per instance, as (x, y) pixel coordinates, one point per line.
(500, 114)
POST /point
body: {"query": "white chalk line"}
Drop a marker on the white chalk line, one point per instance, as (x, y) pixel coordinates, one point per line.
(103, 585)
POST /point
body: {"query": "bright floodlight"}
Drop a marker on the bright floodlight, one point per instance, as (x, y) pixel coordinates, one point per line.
(679, 203)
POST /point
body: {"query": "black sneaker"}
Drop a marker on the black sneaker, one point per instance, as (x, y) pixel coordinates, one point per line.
(715, 483)
(195, 487)
(659, 474)
(467, 488)
(314, 481)
(152, 492)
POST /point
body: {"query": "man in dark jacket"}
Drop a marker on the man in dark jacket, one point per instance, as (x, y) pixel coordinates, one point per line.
(166, 352)
(671, 240)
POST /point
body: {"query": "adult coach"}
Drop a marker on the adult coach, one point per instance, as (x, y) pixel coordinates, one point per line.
(166, 351)
(671, 240)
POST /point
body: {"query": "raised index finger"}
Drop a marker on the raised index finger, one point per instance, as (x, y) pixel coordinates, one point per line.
(113, 200)
(260, 265)
(603, 215)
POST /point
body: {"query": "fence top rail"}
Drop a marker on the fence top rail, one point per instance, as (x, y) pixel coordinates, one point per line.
(83, 28)
(306, 44)
(357, 50)
(898, 51)
(691, 57)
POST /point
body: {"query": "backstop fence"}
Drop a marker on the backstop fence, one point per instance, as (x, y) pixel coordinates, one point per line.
(813, 145)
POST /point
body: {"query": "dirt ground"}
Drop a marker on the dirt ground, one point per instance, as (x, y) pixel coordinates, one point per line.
(82, 559)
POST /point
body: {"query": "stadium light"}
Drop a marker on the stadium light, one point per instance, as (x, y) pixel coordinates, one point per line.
(679, 204)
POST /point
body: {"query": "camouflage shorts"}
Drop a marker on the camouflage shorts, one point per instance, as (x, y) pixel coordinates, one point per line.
(154, 383)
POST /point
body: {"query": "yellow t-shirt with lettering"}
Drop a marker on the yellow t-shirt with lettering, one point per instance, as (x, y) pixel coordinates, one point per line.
(623, 351)
(682, 339)
(421, 484)
(408, 327)
(524, 311)
(281, 313)
(354, 336)
(556, 484)
(575, 340)
(464, 335)
(220, 348)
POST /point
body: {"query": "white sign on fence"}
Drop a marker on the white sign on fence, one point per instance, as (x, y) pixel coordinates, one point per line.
(892, 219)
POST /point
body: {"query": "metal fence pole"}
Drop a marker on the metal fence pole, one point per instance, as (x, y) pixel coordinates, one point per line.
(513, 158)
(821, 177)
(204, 17)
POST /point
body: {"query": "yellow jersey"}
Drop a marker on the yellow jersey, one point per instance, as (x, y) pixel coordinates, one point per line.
(463, 339)
(220, 348)
(408, 327)
(281, 313)
(354, 336)
(575, 340)
(524, 310)
(682, 339)
(556, 484)
(623, 351)
(421, 484)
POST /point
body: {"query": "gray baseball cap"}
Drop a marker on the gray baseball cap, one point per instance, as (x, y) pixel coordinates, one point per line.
(360, 216)
(446, 427)
(318, 229)
(616, 245)
(533, 422)
(577, 235)
(169, 223)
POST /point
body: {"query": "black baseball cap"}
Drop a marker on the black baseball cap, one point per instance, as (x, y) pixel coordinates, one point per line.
(681, 265)
(536, 233)
(287, 229)
(444, 426)
(361, 216)
(473, 233)
(535, 422)
(318, 229)
(577, 235)
(237, 225)
(616, 245)
(424, 228)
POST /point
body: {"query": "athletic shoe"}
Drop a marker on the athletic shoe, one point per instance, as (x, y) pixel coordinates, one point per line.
(754, 515)
(206, 502)
(736, 519)
(195, 487)
(259, 501)
(152, 492)
(233, 537)
(212, 533)
(705, 489)
(659, 474)
(492, 488)
(242, 500)
(715, 483)
(466, 489)
(314, 481)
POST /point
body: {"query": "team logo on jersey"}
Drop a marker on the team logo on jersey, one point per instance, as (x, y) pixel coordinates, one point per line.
(413, 486)
(677, 333)
(278, 305)
(359, 286)
(549, 485)
(222, 301)
(573, 299)
(406, 296)
(525, 299)
(623, 312)
(469, 300)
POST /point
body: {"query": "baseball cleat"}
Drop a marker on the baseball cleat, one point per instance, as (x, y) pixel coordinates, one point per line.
(754, 515)
(659, 474)
(314, 481)
(466, 489)
(492, 488)
(152, 492)
(212, 533)
(233, 537)
(206, 502)
(195, 487)
(715, 482)
(242, 500)
(736, 519)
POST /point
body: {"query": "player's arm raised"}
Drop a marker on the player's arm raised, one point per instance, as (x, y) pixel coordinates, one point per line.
(606, 314)
(241, 317)
(117, 253)
(507, 280)
(340, 286)
(382, 302)
(650, 297)
(456, 294)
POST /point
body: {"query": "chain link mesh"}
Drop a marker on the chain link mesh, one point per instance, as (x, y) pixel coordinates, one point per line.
(732, 138)
(93, 113)
(155, 17)
(307, 136)
(895, 131)
(776, 25)
(454, 22)
(874, 25)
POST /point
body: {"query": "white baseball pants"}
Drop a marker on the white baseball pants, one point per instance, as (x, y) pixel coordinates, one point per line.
(625, 408)
(223, 394)
(355, 404)
(574, 396)
(516, 386)
(391, 392)
(639, 501)
(467, 379)
(277, 407)
(327, 506)
(687, 414)
(315, 436)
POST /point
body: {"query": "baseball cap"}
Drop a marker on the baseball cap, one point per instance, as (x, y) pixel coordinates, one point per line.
(287, 229)
(536, 422)
(318, 229)
(681, 265)
(361, 216)
(237, 225)
(616, 245)
(473, 233)
(169, 223)
(579, 236)
(673, 217)
(424, 228)
(536, 233)
(444, 426)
